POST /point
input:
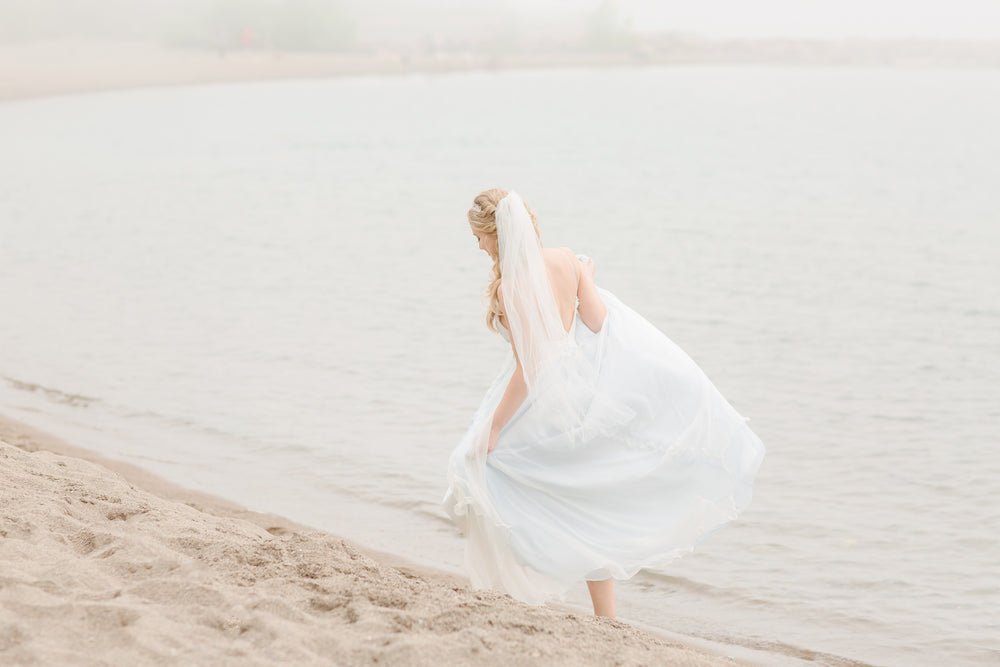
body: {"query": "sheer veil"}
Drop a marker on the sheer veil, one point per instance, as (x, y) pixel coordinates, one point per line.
(562, 384)
(533, 318)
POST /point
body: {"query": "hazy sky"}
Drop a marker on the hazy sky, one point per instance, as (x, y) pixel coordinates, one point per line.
(973, 19)
(820, 18)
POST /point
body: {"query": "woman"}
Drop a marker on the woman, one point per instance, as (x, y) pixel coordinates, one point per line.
(601, 448)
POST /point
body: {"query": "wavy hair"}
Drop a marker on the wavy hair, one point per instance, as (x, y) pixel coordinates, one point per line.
(483, 219)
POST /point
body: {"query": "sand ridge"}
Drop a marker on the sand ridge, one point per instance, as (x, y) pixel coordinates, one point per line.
(94, 570)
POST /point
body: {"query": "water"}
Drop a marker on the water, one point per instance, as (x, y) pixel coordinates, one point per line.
(268, 291)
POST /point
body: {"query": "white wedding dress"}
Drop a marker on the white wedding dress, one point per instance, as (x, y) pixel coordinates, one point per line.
(622, 456)
(658, 463)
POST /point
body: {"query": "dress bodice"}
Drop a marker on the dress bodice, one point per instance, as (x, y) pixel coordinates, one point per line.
(505, 334)
(502, 330)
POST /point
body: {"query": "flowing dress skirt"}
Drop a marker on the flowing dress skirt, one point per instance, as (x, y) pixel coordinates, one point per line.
(659, 462)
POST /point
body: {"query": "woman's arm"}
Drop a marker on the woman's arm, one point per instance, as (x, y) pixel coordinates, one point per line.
(512, 398)
(592, 309)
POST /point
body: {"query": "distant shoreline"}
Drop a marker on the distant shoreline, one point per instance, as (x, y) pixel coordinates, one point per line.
(125, 68)
(41, 69)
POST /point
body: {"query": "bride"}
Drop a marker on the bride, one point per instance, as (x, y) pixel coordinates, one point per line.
(600, 448)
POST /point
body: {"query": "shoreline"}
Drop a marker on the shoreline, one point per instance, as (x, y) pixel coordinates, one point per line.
(73, 68)
(133, 566)
(53, 68)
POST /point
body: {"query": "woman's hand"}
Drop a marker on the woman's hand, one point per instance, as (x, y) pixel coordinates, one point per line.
(588, 265)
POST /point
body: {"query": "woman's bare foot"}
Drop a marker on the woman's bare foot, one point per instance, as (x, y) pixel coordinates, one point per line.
(602, 594)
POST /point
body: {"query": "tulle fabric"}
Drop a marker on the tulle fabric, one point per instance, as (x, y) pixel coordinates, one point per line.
(536, 328)
(657, 462)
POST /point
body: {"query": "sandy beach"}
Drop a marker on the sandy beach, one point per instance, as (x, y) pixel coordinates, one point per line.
(104, 563)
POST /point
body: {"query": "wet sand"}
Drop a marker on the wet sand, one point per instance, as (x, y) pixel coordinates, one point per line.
(105, 563)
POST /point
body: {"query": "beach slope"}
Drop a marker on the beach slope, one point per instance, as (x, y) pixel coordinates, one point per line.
(95, 570)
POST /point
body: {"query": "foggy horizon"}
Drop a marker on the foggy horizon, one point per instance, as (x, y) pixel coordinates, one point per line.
(374, 22)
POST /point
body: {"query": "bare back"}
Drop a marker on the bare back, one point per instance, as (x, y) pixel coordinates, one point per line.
(571, 282)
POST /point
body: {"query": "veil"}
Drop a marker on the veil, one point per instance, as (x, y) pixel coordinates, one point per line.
(533, 319)
(562, 383)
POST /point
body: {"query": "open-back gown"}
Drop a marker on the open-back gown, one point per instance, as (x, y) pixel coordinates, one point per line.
(659, 462)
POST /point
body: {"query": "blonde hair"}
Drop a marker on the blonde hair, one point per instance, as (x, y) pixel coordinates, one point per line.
(483, 219)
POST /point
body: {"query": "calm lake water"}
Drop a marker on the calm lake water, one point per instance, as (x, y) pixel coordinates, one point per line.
(269, 291)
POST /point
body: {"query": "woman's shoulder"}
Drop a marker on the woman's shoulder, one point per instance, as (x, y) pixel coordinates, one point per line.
(557, 255)
(556, 251)
(561, 259)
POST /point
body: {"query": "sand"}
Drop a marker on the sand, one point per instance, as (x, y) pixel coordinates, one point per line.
(101, 567)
